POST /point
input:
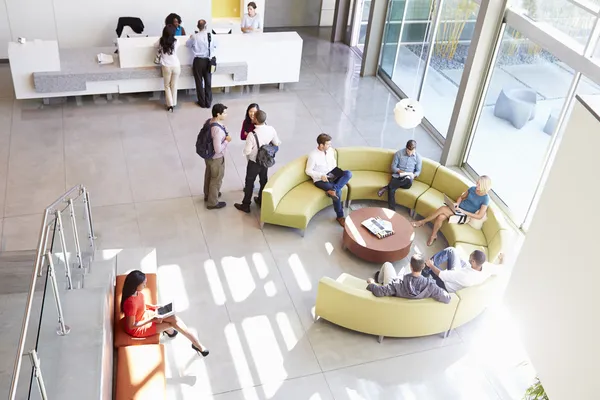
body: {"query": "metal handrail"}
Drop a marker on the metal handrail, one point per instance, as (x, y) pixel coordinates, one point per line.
(43, 237)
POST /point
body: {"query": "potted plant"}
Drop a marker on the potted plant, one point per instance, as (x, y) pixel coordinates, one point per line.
(535, 391)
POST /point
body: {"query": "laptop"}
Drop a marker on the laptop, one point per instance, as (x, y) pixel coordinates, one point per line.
(335, 174)
(165, 311)
(450, 203)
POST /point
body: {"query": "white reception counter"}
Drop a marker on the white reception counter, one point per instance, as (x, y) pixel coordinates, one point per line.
(41, 70)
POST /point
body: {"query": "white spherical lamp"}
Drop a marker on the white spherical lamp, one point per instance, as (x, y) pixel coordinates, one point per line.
(408, 113)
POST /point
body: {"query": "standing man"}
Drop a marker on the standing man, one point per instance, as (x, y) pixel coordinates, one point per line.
(203, 48)
(406, 166)
(215, 166)
(265, 134)
(321, 166)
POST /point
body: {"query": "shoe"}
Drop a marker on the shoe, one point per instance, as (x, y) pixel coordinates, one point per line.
(332, 193)
(242, 207)
(426, 272)
(206, 197)
(376, 277)
(220, 204)
(200, 104)
(381, 191)
(258, 201)
(341, 221)
(170, 109)
(204, 353)
(175, 333)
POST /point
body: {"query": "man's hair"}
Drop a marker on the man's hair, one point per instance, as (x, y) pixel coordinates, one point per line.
(323, 138)
(260, 116)
(252, 4)
(201, 24)
(478, 257)
(417, 263)
(218, 109)
(411, 144)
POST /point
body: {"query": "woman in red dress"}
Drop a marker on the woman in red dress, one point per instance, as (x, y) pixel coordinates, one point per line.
(248, 124)
(140, 318)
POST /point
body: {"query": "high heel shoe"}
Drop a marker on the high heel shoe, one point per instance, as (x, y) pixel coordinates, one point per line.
(170, 109)
(204, 353)
(175, 333)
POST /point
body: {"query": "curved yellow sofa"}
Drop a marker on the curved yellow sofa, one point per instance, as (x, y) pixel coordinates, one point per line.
(291, 199)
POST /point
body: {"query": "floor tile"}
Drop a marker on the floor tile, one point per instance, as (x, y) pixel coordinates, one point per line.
(116, 227)
(21, 233)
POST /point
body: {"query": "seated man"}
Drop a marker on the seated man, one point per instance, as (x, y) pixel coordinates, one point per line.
(406, 166)
(410, 286)
(458, 273)
(321, 166)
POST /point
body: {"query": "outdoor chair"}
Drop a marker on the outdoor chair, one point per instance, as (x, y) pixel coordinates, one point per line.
(516, 106)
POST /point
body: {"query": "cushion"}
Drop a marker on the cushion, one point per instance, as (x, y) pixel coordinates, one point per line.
(365, 159)
(494, 223)
(499, 243)
(286, 178)
(428, 171)
(365, 184)
(122, 338)
(463, 233)
(428, 202)
(465, 249)
(300, 204)
(408, 197)
(449, 182)
(141, 373)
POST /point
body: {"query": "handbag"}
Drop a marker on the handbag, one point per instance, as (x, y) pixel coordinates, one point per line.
(213, 59)
(158, 56)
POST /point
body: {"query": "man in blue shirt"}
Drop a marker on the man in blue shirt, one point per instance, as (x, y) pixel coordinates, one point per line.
(203, 48)
(406, 166)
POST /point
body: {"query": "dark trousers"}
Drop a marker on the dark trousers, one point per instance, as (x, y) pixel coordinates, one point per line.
(252, 171)
(201, 70)
(337, 186)
(397, 183)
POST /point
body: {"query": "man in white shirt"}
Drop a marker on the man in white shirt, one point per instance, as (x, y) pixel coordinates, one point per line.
(201, 68)
(458, 273)
(321, 166)
(265, 135)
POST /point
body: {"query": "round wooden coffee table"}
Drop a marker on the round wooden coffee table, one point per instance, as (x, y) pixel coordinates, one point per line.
(363, 244)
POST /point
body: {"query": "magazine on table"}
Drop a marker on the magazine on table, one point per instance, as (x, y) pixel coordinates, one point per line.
(378, 227)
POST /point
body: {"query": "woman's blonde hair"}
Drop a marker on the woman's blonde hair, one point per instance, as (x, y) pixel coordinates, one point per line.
(485, 183)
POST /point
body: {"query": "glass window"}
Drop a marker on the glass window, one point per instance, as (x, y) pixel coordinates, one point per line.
(519, 115)
(451, 47)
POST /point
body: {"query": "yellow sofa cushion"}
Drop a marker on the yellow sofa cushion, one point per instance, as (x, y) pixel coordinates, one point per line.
(475, 299)
(365, 159)
(463, 233)
(429, 201)
(449, 182)
(365, 184)
(465, 249)
(428, 171)
(499, 243)
(494, 222)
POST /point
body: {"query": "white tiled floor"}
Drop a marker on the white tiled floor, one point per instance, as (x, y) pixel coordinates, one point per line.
(248, 293)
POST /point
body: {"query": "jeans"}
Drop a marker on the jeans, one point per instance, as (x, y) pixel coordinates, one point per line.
(337, 186)
(201, 71)
(452, 260)
(252, 171)
(397, 183)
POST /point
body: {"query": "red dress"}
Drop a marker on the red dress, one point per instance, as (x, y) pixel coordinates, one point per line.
(247, 127)
(135, 306)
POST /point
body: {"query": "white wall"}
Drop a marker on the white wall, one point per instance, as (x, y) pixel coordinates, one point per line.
(4, 31)
(327, 12)
(554, 286)
(292, 13)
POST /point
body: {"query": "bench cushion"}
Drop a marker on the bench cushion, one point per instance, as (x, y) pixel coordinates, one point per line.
(449, 182)
(428, 171)
(365, 159)
(429, 201)
(365, 184)
(141, 373)
(150, 295)
(463, 233)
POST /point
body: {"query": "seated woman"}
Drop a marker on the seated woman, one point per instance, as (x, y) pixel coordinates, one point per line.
(473, 203)
(252, 22)
(248, 124)
(140, 318)
(175, 20)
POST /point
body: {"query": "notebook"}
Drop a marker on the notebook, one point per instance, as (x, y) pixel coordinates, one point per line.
(165, 311)
(335, 174)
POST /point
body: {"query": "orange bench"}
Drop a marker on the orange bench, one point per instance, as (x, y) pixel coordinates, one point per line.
(141, 373)
(122, 338)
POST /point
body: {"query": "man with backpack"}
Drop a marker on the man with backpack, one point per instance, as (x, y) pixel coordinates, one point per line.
(211, 145)
(260, 149)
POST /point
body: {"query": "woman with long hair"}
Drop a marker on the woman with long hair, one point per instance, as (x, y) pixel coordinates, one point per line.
(141, 319)
(175, 20)
(473, 203)
(171, 67)
(248, 124)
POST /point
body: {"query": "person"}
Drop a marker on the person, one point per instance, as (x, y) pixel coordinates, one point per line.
(248, 124)
(473, 203)
(215, 166)
(199, 44)
(406, 167)
(252, 21)
(458, 273)
(141, 319)
(321, 163)
(410, 286)
(265, 134)
(171, 67)
(175, 20)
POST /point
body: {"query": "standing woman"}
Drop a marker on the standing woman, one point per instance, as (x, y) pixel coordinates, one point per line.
(248, 124)
(140, 318)
(252, 21)
(175, 20)
(171, 67)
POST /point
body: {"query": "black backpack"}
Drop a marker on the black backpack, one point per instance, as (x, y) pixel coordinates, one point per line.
(266, 153)
(204, 143)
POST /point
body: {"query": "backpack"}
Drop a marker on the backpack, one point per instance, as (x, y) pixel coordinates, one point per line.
(204, 142)
(266, 153)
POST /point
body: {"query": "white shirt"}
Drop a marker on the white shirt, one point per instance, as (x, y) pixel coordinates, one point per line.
(252, 22)
(458, 279)
(319, 163)
(169, 60)
(266, 134)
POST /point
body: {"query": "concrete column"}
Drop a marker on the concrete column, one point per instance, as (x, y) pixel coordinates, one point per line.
(374, 39)
(479, 63)
(340, 20)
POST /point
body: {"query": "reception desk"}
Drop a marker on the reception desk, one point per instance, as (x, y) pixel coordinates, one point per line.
(41, 70)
